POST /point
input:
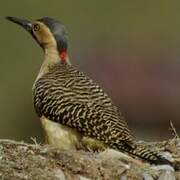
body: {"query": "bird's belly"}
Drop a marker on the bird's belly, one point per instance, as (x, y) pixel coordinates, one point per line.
(66, 138)
(60, 136)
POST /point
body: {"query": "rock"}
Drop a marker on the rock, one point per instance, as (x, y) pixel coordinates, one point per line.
(167, 175)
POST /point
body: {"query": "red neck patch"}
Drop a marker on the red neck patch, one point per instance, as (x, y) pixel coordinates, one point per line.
(63, 55)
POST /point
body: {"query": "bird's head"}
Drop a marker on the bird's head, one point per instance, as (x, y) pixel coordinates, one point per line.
(48, 32)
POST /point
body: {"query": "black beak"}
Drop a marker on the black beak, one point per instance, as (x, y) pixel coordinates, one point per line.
(26, 24)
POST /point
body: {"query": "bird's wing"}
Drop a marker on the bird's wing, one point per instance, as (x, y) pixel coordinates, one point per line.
(80, 103)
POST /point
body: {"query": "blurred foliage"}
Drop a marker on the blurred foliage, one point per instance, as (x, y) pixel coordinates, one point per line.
(129, 47)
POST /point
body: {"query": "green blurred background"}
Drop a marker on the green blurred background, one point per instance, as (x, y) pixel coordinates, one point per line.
(131, 48)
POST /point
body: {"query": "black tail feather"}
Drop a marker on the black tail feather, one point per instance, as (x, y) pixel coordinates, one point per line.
(143, 152)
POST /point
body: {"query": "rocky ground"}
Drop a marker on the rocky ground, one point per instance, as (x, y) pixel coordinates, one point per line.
(23, 161)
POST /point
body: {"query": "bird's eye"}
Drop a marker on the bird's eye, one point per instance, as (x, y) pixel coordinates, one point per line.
(36, 27)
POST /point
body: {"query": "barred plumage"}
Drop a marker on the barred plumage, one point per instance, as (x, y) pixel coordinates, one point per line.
(71, 106)
(65, 95)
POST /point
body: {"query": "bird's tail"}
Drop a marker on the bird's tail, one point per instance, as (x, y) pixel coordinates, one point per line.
(152, 156)
(143, 152)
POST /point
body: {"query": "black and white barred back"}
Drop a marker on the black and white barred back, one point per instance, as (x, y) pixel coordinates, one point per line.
(65, 95)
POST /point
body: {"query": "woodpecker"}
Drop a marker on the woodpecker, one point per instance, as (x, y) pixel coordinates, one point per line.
(73, 109)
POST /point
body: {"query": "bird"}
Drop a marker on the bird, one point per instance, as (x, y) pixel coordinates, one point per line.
(75, 111)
